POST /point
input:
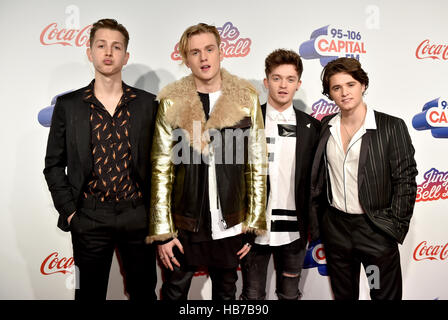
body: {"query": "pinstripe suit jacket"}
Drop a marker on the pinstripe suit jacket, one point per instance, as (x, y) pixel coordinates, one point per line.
(386, 177)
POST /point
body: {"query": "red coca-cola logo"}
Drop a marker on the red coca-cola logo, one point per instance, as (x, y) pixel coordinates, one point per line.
(53, 34)
(427, 50)
(424, 251)
(54, 264)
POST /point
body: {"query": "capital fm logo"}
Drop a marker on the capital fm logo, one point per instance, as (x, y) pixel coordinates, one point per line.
(434, 117)
(315, 258)
(434, 187)
(331, 42)
(428, 50)
(232, 44)
(44, 115)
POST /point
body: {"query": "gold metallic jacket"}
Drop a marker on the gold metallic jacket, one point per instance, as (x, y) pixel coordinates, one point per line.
(181, 110)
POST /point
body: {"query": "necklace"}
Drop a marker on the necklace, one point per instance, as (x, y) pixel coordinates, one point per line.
(350, 136)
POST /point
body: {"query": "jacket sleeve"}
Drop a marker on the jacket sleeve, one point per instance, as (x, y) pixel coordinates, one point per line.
(256, 172)
(403, 173)
(161, 226)
(55, 166)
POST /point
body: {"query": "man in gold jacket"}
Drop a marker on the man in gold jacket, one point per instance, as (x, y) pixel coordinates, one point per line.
(208, 189)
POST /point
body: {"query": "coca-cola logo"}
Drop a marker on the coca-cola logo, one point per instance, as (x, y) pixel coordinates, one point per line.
(55, 264)
(424, 251)
(53, 34)
(428, 50)
(231, 45)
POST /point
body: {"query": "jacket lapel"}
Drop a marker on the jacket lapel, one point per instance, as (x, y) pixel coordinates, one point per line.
(83, 139)
(302, 133)
(135, 121)
(320, 150)
(365, 143)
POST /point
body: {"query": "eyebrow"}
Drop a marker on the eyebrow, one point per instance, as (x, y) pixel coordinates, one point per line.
(113, 42)
(206, 47)
(288, 77)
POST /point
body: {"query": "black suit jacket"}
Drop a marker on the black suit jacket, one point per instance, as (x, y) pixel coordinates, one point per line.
(307, 137)
(68, 161)
(386, 177)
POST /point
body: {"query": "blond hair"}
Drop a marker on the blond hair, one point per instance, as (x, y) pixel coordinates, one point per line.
(194, 30)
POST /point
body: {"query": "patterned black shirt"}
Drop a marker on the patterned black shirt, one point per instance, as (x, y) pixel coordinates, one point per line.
(111, 178)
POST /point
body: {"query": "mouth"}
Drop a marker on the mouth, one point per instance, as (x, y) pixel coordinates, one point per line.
(282, 93)
(205, 67)
(107, 61)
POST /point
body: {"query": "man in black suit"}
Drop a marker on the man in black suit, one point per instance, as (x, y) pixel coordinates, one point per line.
(101, 134)
(292, 137)
(363, 187)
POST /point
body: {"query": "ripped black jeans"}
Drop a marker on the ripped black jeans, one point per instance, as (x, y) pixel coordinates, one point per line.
(288, 259)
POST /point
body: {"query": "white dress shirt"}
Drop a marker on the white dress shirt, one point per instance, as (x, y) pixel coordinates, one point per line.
(281, 175)
(343, 167)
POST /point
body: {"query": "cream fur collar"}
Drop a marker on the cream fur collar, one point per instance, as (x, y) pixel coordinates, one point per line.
(235, 103)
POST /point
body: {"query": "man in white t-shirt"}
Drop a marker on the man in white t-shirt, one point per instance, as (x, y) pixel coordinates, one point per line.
(292, 137)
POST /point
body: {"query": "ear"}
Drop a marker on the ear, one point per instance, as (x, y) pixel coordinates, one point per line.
(363, 88)
(221, 54)
(89, 54)
(266, 83)
(298, 85)
(126, 58)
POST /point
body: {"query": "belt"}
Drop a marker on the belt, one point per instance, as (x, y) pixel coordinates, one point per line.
(94, 203)
(345, 214)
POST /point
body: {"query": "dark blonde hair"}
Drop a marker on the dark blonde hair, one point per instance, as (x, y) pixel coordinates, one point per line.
(350, 66)
(111, 24)
(281, 56)
(194, 30)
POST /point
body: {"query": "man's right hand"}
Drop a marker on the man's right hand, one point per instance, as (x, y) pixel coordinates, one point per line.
(166, 254)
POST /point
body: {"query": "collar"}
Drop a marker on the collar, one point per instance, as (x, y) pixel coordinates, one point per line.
(128, 94)
(287, 115)
(369, 121)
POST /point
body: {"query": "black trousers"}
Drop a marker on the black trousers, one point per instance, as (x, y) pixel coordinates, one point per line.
(351, 240)
(176, 283)
(97, 230)
(288, 258)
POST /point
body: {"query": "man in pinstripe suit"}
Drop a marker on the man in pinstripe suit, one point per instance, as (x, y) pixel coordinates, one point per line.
(363, 187)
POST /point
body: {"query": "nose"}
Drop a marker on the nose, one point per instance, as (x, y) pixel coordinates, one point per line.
(109, 50)
(344, 91)
(283, 83)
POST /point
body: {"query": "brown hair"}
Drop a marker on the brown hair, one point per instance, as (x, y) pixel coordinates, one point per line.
(194, 30)
(350, 66)
(282, 56)
(111, 24)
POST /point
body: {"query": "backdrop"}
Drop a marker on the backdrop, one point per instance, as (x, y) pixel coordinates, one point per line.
(403, 46)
